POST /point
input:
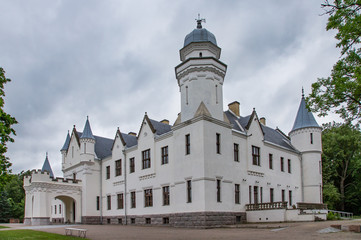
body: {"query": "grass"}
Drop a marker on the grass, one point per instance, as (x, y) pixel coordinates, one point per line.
(31, 234)
(3, 227)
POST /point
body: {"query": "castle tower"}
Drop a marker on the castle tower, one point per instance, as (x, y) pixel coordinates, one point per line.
(47, 167)
(200, 75)
(65, 147)
(87, 143)
(306, 137)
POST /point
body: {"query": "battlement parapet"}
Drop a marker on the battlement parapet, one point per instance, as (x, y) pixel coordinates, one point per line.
(65, 180)
(38, 175)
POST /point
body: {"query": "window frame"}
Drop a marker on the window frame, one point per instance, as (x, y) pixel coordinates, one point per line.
(131, 165)
(189, 191)
(166, 195)
(133, 199)
(219, 190)
(237, 196)
(218, 143)
(109, 202)
(188, 144)
(146, 163)
(107, 172)
(256, 155)
(164, 155)
(118, 167)
(148, 197)
(289, 166)
(120, 200)
(236, 152)
(282, 164)
(270, 160)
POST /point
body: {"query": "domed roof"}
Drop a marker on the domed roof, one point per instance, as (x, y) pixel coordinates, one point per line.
(200, 35)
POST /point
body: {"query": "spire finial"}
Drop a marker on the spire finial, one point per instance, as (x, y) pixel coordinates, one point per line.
(46, 154)
(87, 117)
(199, 21)
(303, 93)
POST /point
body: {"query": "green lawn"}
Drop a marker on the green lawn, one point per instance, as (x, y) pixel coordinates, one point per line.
(31, 234)
(3, 227)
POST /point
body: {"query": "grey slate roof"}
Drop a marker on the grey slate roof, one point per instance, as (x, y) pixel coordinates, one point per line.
(270, 135)
(87, 132)
(130, 140)
(66, 144)
(103, 146)
(304, 118)
(200, 35)
(46, 167)
(160, 128)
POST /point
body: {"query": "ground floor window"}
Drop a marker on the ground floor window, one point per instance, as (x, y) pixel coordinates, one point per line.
(148, 221)
(166, 220)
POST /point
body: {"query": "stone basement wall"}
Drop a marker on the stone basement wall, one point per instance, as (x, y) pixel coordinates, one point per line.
(90, 220)
(57, 220)
(194, 219)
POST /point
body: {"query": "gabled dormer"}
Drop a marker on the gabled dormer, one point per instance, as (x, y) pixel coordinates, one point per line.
(254, 127)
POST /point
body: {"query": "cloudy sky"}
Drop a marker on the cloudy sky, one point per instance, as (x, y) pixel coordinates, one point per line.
(114, 60)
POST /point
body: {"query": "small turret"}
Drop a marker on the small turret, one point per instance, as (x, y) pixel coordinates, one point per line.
(87, 143)
(47, 167)
(306, 137)
(65, 147)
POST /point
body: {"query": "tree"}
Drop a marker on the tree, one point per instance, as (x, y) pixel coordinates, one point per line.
(341, 162)
(6, 121)
(341, 92)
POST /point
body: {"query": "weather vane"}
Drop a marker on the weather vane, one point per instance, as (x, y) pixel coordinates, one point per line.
(199, 21)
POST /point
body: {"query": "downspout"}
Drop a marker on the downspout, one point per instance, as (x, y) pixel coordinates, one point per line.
(101, 192)
(125, 187)
(302, 178)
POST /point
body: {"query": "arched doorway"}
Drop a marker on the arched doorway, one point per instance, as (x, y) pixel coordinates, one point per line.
(70, 209)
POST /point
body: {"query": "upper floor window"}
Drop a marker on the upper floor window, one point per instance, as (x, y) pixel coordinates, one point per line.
(271, 197)
(118, 167)
(188, 144)
(283, 195)
(282, 164)
(218, 143)
(311, 138)
(290, 197)
(270, 160)
(107, 172)
(236, 152)
(165, 155)
(146, 158)
(166, 195)
(289, 165)
(256, 156)
(218, 190)
(98, 203)
(148, 198)
(131, 165)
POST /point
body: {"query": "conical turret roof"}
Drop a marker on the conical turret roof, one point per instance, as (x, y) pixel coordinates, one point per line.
(87, 132)
(304, 118)
(66, 144)
(46, 166)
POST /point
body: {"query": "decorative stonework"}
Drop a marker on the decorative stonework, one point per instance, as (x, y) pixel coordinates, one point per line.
(148, 176)
(257, 174)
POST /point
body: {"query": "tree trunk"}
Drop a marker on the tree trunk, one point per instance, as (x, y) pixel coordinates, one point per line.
(342, 191)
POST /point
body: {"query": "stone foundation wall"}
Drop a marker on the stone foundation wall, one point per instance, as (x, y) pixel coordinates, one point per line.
(91, 220)
(57, 220)
(39, 221)
(194, 219)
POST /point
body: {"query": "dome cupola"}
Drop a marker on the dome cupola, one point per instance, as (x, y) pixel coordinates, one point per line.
(200, 34)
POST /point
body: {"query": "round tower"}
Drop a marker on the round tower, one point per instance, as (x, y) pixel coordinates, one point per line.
(87, 143)
(200, 75)
(306, 137)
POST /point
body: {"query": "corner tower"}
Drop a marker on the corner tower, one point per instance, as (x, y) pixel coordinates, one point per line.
(306, 137)
(201, 74)
(87, 143)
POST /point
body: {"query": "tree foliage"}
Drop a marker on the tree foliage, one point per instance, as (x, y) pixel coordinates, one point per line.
(6, 131)
(341, 92)
(341, 165)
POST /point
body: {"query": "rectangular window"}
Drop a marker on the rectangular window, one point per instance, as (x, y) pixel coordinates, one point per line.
(166, 195)
(218, 190)
(289, 165)
(255, 193)
(311, 138)
(84, 147)
(98, 203)
(132, 221)
(250, 194)
(120, 198)
(271, 198)
(282, 165)
(236, 194)
(261, 194)
(107, 172)
(270, 160)
(188, 144)
(109, 202)
(290, 197)
(74, 176)
(218, 143)
(166, 220)
(118, 167)
(59, 208)
(256, 156)
(148, 221)
(165, 155)
(132, 200)
(148, 198)
(189, 191)
(131, 165)
(236, 152)
(54, 209)
(146, 158)
(283, 195)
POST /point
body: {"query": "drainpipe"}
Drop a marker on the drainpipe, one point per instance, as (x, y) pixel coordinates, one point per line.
(101, 192)
(125, 187)
(302, 177)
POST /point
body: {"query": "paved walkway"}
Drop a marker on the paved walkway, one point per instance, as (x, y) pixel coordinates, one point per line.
(277, 231)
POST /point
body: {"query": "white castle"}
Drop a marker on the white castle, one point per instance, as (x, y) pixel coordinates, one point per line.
(211, 167)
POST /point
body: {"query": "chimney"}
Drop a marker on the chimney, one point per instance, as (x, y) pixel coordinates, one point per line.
(166, 121)
(132, 133)
(234, 107)
(263, 121)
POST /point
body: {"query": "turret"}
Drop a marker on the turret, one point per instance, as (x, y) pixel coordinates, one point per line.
(87, 143)
(65, 147)
(200, 75)
(47, 167)
(306, 137)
